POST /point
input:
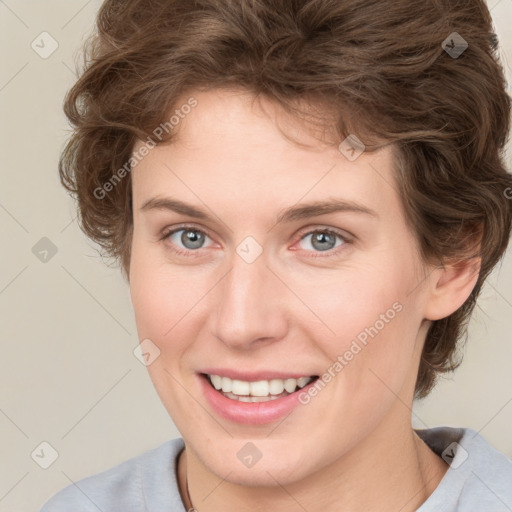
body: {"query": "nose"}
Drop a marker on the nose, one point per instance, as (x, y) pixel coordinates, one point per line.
(250, 305)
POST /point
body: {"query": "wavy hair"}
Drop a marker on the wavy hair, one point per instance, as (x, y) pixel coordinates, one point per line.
(389, 71)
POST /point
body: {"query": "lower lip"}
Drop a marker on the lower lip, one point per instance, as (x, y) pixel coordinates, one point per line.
(250, 413)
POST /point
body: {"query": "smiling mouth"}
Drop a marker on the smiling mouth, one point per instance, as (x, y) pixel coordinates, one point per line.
(257, 391)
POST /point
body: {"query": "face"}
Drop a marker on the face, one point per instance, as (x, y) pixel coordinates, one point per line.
(238, 271)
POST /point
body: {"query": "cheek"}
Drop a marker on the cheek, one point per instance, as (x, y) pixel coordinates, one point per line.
(163, 298)
(167, 306)
(369, 325)
(354, 302)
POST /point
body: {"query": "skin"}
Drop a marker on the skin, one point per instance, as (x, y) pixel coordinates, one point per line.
(352, 447)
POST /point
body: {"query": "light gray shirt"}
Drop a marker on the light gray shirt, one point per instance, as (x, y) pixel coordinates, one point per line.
(479, 479)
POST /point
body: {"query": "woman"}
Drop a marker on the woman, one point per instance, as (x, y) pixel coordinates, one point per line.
(305, 198)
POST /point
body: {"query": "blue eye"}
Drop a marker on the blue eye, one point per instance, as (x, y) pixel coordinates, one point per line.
(187, 240)
(323, 240)
(191, 239)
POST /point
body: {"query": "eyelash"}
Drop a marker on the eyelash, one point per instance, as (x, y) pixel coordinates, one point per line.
(317, 254)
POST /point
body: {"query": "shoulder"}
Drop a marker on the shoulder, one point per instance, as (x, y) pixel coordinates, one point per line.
(132, 486)
(479, 476)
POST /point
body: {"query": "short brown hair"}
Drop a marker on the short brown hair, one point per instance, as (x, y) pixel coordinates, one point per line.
(386, 69)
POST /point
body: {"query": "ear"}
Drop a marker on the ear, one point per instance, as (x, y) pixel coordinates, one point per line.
(450, 286)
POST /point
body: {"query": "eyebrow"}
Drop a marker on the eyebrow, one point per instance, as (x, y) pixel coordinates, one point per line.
(294, 213)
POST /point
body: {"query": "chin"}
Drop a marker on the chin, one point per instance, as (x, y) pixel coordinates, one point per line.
(260, 477)
(273, 468)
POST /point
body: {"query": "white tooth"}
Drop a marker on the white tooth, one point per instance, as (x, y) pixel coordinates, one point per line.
(245, 399)
(276, 386)
(259, 388)
(239, 387)
(290, 385)
(227, 384)
(216, 381)
(302, 381)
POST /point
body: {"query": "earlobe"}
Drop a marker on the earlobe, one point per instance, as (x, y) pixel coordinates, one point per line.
(450, 287)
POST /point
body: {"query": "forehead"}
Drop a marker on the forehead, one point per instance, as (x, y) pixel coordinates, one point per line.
(238, 148)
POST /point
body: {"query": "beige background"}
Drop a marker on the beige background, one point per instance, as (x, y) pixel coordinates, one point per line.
(68, 375)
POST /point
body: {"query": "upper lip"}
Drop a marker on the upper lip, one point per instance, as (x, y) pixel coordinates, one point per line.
(254, 376)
